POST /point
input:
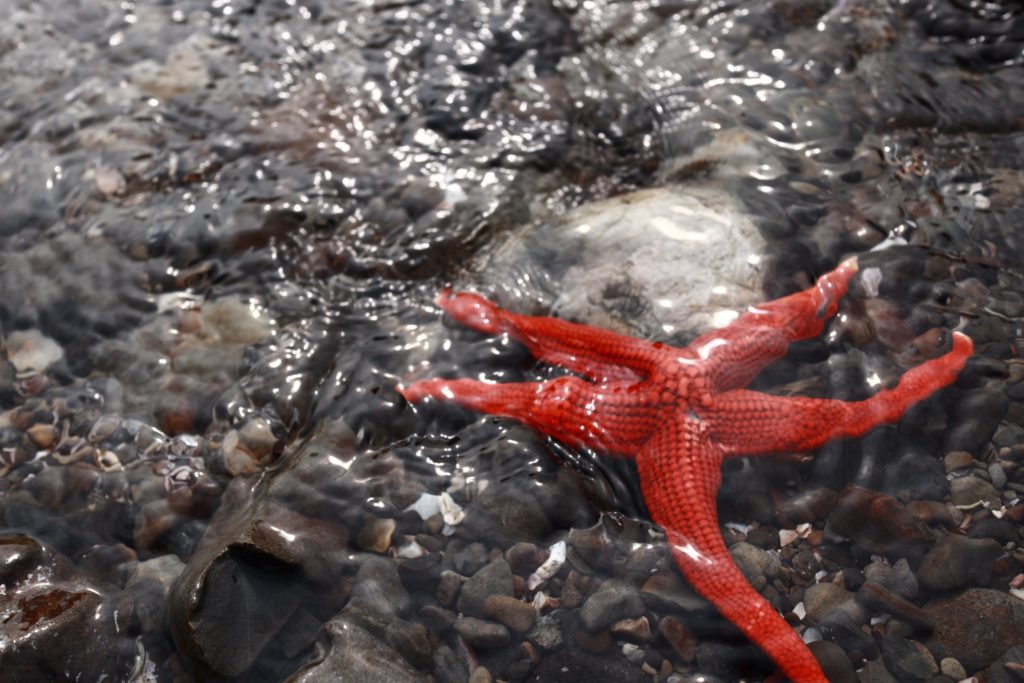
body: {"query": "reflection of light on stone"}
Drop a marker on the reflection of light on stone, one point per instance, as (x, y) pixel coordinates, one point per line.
(583, 229)
(338, 462)
(754, 259)
(874, 380)
(719, 289)
(671, 230)
(723, 317)
(665, 303)
(282, 533)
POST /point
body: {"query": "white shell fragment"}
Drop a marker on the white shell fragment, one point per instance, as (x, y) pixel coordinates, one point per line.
(410, 550)
(427, 505)
(30, 350)
(556, 558)
(451, 512)
(430, 504)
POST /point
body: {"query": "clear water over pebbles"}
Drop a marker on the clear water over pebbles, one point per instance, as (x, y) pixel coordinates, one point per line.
(224, 223)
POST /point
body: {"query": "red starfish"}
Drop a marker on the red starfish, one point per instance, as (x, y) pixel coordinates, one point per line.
(680, 412)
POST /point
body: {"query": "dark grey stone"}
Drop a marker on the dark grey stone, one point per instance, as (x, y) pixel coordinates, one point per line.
(613, 600)
(493, 579)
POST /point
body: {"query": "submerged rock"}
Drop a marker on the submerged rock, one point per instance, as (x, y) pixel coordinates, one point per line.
(660, 262)
(54, 621)
(976, 627)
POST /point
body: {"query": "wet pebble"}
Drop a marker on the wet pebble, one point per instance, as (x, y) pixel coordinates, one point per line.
(375, 534)
(32, 351)
(932, 512)
(968, 492)
(493, 579)
(522, 558)
(448, 586)
(952, 668)
(150, 586)
(806, 507)
(835, 664)
(547, 630)
(680, 637)
(759, 566)
(468, 559)
(513, 613)
(979, 413)
(49, 611)
(508, 514)
(956, 561)
(957, 460)
(964, 626)
(448, 667)
(481, 675)
(1009, 667)
(997, 475)
(1002, 529)
(613, 600)
(896, 577)
(482, 633)
(437, 618)
(633, 630)
(594, 642)
(822, 598)
(908, 660)
(878, 522)
(877, 598)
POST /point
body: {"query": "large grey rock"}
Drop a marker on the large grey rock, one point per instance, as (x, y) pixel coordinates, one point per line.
(616, 262)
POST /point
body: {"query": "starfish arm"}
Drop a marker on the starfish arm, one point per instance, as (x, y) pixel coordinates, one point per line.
(739, 351)
(598, 354)
(680, 470)
(748, 422)
(612, 418)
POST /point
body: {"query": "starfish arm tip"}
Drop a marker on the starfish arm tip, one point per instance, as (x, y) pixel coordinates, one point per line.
(417, 391)
(472, 310)
(962, 344)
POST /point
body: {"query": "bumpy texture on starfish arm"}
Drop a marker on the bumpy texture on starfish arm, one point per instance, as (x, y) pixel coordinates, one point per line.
(680, 412)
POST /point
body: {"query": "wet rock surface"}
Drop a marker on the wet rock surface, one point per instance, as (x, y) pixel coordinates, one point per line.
(223, 226)
(46, 604)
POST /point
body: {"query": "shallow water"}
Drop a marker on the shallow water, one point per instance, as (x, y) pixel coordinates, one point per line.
(224, 225)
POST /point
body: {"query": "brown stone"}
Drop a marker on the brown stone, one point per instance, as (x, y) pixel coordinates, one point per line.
(595, 643)
(680, 637)
(516, 614)
(635, 630)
